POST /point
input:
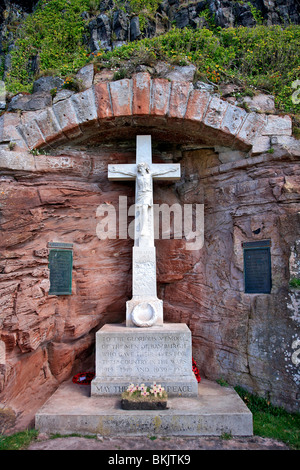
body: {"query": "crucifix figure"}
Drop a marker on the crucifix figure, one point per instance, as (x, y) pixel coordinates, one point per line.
(145, 309)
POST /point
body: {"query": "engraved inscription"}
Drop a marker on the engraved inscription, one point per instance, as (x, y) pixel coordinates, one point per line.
(257, 266)
(153, 355)
(60, 265)
(144, 277)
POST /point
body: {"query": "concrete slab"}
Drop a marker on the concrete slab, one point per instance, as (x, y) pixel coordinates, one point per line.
(216, 410)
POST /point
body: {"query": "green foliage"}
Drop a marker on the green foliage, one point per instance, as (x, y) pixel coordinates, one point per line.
(55, 32)
(256, 13)
(144, 10)
(266, 58)
(262, 57)
(18, 441)
(272, 421)
(295, 283)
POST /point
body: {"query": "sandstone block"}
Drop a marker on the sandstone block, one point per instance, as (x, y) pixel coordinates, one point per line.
(261, 144)
(160, 96)
(252, 126)
(141, 94)
(17, 160)
(8, 127)
(31, 134)
(85, 108)
(49, 126)
(289, 143)
(182, 74)
(102, 100)
(197, 105)
(215, 112)
(278, 125)
(121, 97)
(67, 118)
(233, 119)
(25, 102)
(180, 92)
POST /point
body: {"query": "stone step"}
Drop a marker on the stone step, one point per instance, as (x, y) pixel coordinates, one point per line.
(216, 410)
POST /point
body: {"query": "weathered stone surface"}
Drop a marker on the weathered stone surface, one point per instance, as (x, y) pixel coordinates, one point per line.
(181, 74)
(26, 102)
(102, 100)
(9, 123)
(145, 355)
(278, 125)
(160, 96)
(141, 94)
(62, 95)
(16, 161)
(47, 84)
(49, 127)
(260, 103)
(261, 144)
(85, 76)
(215, 112)
(233, 119)
(197, 105)
(224, 122)
(67, 118)
(252, 127)
(180, 92)
(121, 97)
(31, 133)
(85, 108)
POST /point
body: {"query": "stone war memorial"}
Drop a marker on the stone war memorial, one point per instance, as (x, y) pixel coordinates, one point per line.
(144, 223)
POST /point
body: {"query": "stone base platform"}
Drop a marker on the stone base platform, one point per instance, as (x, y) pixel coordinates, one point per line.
(216, 410)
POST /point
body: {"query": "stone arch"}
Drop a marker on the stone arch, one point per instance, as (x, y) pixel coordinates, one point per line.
(174, 110)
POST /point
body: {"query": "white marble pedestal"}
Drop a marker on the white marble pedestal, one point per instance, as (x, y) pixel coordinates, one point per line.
(126, 355)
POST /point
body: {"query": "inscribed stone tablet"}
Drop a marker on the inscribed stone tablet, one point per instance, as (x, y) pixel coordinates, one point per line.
(60, 265)
(257, 267)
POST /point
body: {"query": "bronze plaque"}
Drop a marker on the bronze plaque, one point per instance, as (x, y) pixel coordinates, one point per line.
(257, 267)
(60, 265)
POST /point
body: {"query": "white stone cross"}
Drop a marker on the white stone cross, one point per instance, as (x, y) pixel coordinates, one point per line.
(144, 171)
(145, 309)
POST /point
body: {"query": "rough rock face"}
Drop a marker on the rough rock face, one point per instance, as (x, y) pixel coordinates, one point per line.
(243, 167)
(110, 26)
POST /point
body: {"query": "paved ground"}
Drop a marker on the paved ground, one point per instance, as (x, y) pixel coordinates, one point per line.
(158, 444)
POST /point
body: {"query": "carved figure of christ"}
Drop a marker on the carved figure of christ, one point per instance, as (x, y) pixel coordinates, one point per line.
(144, 171)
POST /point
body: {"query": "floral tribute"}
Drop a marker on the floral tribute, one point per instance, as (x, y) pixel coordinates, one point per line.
(156, 390)
(196, 370)
(83, 378)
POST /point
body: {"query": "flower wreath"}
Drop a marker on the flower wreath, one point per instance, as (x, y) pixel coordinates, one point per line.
(196, 370)
(83, 378)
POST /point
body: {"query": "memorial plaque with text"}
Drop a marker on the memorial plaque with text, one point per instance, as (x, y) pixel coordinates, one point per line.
(257, 267)
(60, 265)
(126, 355)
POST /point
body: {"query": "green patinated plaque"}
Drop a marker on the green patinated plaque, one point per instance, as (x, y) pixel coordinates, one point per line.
(257, 267)
(60, 265)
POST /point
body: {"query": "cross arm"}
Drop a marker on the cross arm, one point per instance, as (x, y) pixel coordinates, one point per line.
(166, 171)
(122, 172)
